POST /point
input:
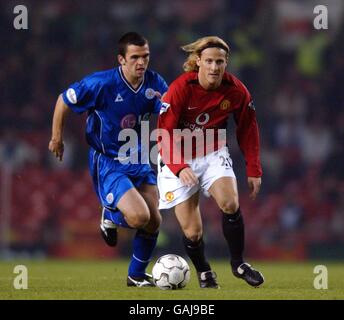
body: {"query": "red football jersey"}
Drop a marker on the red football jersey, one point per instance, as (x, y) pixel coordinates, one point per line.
(187, 105)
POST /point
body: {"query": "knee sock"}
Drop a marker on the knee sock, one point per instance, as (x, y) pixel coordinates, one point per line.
(143, 245)
(195, 251)
(234, 232)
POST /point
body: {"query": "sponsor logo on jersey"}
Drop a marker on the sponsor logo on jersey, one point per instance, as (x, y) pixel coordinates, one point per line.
(109, 198)
(164, 107)
(71, 96)
(202, 119)
(128, 121)
(119, 98)
(150, 93)
(169, 196)
(225, 105)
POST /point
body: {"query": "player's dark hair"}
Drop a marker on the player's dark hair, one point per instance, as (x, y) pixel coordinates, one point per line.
(130, 38)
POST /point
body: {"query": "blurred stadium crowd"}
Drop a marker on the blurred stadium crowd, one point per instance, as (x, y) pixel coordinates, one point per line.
(294, 72)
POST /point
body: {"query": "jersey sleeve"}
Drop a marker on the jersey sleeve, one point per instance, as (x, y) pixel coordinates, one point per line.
(161, 88)
(170, 112)
(83, 95)
(248, 135)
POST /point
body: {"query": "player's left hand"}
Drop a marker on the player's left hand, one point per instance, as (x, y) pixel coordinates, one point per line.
(254, 185)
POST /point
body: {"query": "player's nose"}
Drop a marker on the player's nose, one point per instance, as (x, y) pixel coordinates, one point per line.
(213, 67)
(140, 61)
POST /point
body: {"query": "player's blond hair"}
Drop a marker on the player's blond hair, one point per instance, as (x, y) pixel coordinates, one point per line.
(195, 49)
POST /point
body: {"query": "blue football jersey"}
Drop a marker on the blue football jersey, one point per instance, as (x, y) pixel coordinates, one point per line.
(112, 105)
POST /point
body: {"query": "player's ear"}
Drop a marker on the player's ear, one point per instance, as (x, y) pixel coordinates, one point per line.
(121, 59)
(198, 61)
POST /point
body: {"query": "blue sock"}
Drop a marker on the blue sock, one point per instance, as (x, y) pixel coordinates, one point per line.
(116, 217)
(143, 246)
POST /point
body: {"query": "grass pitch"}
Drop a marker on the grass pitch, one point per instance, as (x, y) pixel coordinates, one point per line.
(103, 280)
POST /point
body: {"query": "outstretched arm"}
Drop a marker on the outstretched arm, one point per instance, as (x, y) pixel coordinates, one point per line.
(56, 142)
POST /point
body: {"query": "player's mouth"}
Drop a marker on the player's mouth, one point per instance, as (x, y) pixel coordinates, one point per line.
(214, 75)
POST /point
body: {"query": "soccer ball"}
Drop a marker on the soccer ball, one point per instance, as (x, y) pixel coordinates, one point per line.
(171, 272)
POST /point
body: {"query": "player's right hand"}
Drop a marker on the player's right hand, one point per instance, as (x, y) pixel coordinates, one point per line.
(188, 177)
(57, 148)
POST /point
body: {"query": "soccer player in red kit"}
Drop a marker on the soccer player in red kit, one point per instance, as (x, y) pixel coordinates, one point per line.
(201, 100)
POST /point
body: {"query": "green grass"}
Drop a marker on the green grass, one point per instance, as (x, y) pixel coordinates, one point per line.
(69, 279)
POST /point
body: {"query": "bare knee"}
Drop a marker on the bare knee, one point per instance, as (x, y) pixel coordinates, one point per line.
(138, 220)
(193, 235)
(230, 206)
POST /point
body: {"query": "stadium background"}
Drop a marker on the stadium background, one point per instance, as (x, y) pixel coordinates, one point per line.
(294, 72)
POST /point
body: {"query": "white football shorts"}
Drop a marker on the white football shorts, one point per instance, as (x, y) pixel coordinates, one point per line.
(208, 169)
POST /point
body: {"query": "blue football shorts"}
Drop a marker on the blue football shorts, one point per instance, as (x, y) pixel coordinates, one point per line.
(112, 179)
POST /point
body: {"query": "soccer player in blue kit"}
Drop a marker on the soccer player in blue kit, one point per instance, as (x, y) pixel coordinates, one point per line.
(118, 99)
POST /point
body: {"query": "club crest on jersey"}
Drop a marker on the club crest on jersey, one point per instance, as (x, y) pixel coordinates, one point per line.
(251, 105)
(169, 196)
(164, 107)
(225, 105)
(150, 93)
(109, 198)
(71, 96)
